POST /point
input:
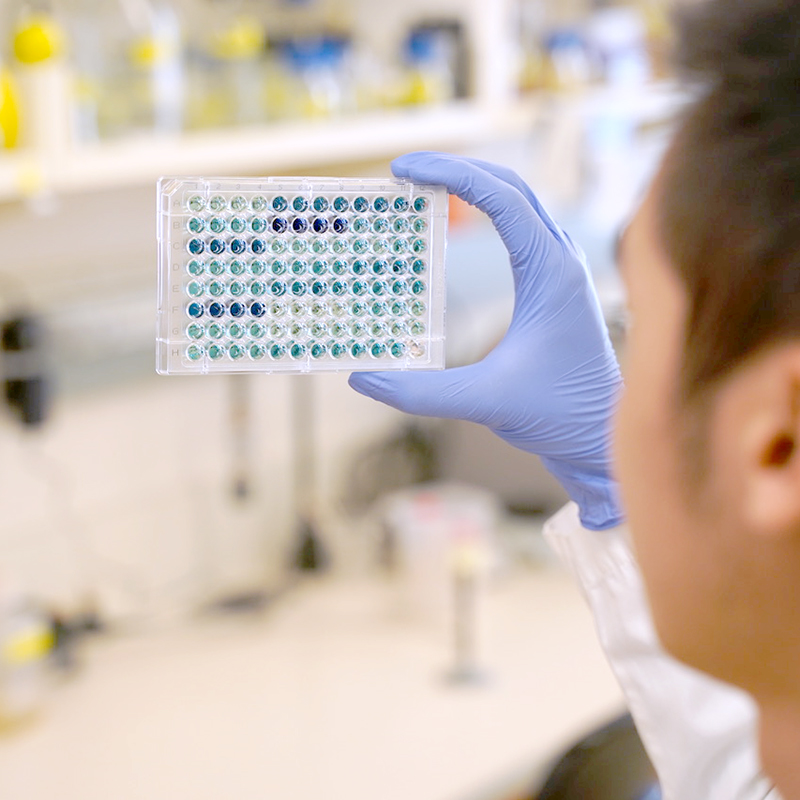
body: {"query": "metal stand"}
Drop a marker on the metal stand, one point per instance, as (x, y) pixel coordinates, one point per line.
(465, 669)
(309, 555)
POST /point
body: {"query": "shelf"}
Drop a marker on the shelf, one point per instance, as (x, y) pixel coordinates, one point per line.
(287, 147)
(272, 149)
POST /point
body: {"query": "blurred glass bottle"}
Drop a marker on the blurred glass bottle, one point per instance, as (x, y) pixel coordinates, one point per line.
(319, 69)
(226, 64)
(532, 24)
(128, 60)
(429, 62)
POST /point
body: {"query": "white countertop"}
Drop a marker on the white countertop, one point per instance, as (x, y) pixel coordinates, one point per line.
(329, 694)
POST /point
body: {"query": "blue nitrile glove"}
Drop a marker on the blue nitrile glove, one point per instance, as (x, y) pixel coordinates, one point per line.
(550, 385)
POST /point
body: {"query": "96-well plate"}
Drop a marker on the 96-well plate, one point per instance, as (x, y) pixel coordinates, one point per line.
(300, 275)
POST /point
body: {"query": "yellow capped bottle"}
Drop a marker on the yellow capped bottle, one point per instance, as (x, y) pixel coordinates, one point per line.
(35, 52)
(9, 110)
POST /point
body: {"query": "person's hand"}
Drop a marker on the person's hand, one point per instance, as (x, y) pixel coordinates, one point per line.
(549, 387)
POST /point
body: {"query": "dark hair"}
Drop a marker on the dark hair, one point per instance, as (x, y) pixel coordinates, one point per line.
(730, 188)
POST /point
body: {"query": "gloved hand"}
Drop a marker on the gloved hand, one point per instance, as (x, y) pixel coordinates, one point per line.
(550, 385)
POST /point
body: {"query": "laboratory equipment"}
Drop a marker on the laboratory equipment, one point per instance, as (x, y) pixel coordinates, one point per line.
(9, 110)
(26, 640)
(316, 69)
(24, 368)
(300, 275)
(128, 60)
(41, 79)
(432, 59)
(443, 541)
(226, 66)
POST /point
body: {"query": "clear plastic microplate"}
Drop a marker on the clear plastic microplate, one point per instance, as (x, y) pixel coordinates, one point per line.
(300, 275)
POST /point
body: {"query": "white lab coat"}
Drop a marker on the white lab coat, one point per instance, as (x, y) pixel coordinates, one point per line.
(700, 733)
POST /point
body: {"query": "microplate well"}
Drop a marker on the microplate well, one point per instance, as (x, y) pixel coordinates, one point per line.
(300, 275)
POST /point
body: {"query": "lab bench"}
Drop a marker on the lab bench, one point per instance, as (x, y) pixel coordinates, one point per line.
(330, 692)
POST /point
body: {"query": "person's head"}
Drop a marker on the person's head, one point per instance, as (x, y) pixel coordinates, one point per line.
(708, 432)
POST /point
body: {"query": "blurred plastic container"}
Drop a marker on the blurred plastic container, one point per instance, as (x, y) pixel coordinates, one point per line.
(36, 49)
(435, 536)
(26, 640)
(226, 65)
(320, 82)
(617, 38)
(429, 61)
(570, 63)
(128, 61)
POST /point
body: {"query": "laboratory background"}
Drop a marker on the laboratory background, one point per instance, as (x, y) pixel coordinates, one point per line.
(269, 586)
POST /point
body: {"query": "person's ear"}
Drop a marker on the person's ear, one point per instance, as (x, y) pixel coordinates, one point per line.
(768, 434)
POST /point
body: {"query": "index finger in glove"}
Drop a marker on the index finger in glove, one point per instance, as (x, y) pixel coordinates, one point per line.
(510, 177)
(524, 233)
